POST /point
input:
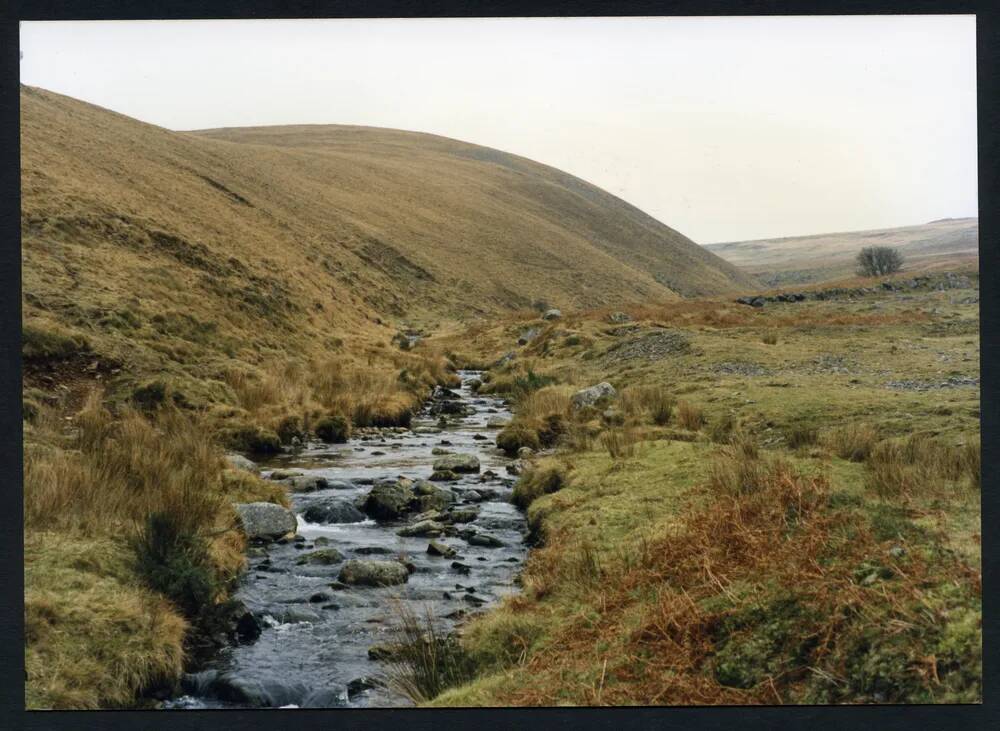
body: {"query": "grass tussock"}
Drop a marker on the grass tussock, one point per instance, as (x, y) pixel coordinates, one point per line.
(136, 508)
(542, 477)
(921, 466)
(648, 403)
(424, 661)
(541, 419)
(620, 443)
(853, 442)
(801, 436)
(689, 416)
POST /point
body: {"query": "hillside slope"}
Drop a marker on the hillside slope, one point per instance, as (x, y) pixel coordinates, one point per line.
(948, 242)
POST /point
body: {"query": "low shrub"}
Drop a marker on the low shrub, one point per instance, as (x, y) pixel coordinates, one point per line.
(770, 338)
(174, 562)
(516, 435)
(289, 428)
(333, 429)
(251, 439)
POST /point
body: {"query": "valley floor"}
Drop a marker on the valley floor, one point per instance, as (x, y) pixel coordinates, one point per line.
(778, 505)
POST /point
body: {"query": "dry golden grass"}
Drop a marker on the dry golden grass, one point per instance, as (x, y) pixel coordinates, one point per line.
(93, 635)
(654, 403)
(620, 443)
(690, 416)
(96, 634)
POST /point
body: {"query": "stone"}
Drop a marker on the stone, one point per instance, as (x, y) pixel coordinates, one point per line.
(388, 500)
(423, 528)
(485, 540)
(306, 483)
(463, 515)
(452, 408)
(358, 572)
(360, 685)
(457, 463)
(283, 474)
(497, 422)
(333, 511)
(590, 396)
(265, 521)
(434, 548)
(619, 318)
(525, 452)
(239, 462)
(527, 336)
(444, 476)
(552, 314)
(322, 557)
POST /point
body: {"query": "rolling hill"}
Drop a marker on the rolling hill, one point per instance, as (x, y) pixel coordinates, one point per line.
(186, 252)
(948, 242)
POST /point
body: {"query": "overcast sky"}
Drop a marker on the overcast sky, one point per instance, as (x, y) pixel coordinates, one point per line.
(723, 128)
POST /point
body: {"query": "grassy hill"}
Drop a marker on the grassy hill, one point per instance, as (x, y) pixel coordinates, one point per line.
(947, 243)
(251, 286)
(186, 254)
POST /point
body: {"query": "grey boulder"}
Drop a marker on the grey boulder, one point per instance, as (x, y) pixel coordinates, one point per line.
(373, 573)
(590, 396)
(265, 521)
(457, 463)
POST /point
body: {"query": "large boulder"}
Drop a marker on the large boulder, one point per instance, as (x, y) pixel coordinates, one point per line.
(389, 500)
(333, 511)
(590, 396)
(432, 497)
(239, 462)
(497, 422)
(265, 521)
(373, 573)
(457, 463)
(452, 408)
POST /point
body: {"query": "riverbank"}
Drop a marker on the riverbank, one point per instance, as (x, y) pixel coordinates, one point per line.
(132, 544)
(755, 497)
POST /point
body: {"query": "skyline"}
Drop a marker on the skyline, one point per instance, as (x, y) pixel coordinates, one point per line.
(704, 123)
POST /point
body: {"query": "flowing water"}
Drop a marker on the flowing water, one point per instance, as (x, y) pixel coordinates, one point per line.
(313, 649)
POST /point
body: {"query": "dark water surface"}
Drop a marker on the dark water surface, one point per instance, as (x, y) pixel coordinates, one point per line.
(313, 646)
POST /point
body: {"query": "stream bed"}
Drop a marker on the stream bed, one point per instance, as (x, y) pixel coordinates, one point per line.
(313, 649)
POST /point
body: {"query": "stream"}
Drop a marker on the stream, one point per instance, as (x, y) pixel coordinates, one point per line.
(313, 647)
